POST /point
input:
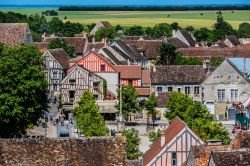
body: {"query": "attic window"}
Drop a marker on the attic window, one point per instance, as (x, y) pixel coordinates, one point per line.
(72, 81)
(159, 89)
(102, 67)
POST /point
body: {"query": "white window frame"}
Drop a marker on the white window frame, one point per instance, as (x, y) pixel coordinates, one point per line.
(221, 94)
(187, 90)
(234, 95)
(195, 91)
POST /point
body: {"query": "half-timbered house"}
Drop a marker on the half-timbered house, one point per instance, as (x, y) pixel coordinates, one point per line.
(56, 65)
(173, 146)
(76, 82)
(101, 66)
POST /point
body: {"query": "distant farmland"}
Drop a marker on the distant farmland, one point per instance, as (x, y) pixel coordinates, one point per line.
(148, 18)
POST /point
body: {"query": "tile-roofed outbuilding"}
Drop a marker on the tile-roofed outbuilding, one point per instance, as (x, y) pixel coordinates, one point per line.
(79, 43)
(233, 39)
(170, 133)
(178, 74)
(177, 42)
(145, 77)
(230, 158)
(61, 57)
(149, 48)
(14, 34)
(129, 71)
(188, 37)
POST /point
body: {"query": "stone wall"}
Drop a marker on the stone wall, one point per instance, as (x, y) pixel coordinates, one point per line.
(107, 151)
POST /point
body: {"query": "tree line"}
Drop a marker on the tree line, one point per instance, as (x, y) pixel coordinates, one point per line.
(151, 8)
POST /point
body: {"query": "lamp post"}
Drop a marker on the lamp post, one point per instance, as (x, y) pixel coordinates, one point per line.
(120, 121)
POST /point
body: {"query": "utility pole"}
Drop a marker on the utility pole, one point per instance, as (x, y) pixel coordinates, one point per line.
(120, 117)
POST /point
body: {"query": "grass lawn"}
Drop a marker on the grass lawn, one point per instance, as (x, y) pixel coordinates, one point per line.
(148, 18)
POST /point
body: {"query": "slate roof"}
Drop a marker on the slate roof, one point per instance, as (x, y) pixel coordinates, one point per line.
(148, 47)
(232, 158)
(129, 71)
(178, 74)
(61, 57)
(106, 24)
(170, 133)
(201, 154)
(177, 43)
(111, 56)
(13, 34)
(79, 43)
(120, 52)
(188, 37)
(234, 40)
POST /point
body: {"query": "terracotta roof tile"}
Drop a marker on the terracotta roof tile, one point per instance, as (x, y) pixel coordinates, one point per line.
(143, 91)
(170, 133)
(13, 34)
(61, 56)
(178, 74)
(129, 71)
(79, 43)
(111, 56)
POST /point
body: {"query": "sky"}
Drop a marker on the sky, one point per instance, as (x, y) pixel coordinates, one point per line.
(121, 2)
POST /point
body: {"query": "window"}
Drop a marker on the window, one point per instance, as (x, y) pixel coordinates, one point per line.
(71, 95)
(102, 67)
(159, 89)
(95, 96)
(197, 91)
(50, 64)
(234, 94)
(130, 82)
(179, 89)
(54, 74)
(95, 85)
(187, 90)
(72, 81)
(54, 87)
(174, 159)
(170, 89)
(221, 94)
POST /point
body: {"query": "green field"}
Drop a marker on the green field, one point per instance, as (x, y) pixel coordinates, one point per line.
(148, 18)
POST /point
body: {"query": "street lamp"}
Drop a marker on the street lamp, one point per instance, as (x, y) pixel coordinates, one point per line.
(120, 121)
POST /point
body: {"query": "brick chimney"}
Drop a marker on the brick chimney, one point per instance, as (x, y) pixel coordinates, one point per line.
(85, 34)
(163, 138)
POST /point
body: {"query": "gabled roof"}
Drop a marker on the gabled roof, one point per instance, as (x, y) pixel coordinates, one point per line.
(148, 47)
(95, 46)
(177, 42)
(234, 40)
(138, 38)
(13, 34)
(129, 71)
(79, 43)
(111, 56)
(142, 91)
(201, 154)
(61, 57)
(170, 133)
(75, 60)
(178, 74)
(231, 158)
(188, 37)
(120, 52)
(106, 24)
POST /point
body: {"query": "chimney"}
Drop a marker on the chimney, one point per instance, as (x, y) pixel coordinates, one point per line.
(163, 138)
(206, 64)
(93, 40)
(213, 142)
(104, 40)
(173, 32)
(85, 34)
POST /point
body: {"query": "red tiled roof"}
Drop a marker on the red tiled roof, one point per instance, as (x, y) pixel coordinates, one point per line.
(129, 71)
(138, 37)
(145, 77)
(170, 133)
(13, 34)
(143, 91)
(79, 43)
(42, 46)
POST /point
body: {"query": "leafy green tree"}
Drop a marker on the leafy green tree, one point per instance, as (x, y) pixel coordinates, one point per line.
(150, 105)
(90, 27)
(154, 135)
(118, 28)
(55, 25)
(106, 32)
(196, 116)
(132, 143)
(168, 54)
(134, 31)
(149, 31)
(216, 61)
(70, 29)
(22, 89)
(190, 28)
(244, 30)
(175, 26)
(129, 100)
(35, 23)
(89, 121)
(61, 43)
(160, 30)
(36, 37)
(222, 28)
(189, 61)
(203, 34)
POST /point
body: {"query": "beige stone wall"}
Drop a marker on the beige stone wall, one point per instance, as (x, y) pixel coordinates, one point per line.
(107, 151)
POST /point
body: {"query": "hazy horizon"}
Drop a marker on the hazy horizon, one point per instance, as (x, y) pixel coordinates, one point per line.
(124, 2)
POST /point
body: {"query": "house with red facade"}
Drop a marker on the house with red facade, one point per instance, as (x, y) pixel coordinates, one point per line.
(173, 146)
